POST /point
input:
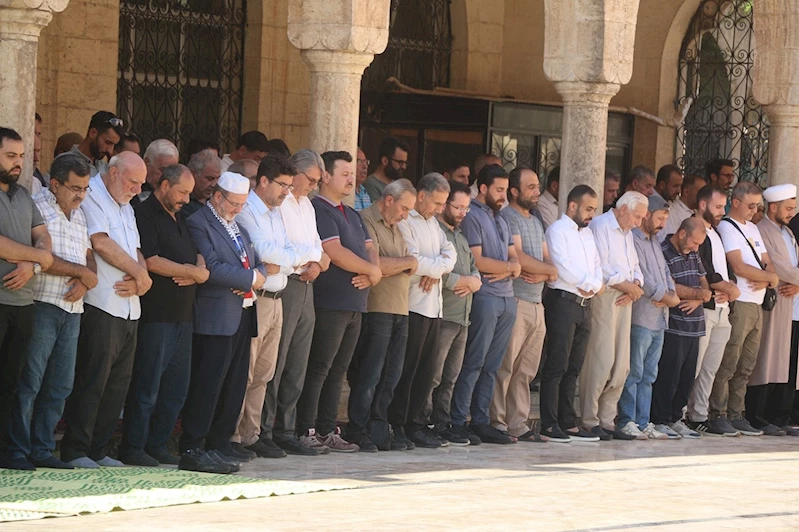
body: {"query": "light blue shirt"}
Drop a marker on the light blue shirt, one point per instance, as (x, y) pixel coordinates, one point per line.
(105, 215)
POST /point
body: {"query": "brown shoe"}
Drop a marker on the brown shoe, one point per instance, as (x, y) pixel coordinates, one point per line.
(338, 444)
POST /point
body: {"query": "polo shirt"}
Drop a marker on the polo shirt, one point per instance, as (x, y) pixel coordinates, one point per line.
(161, 235)
(457, 308)
(482, 227)
(333, 289)
(390, 296)
(686, 270)
(531, 231)
(105, 215)
(18, 215)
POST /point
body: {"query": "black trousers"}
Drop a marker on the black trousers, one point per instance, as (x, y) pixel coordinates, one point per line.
(219, 369)
(16, 328)
(676, 372)
(335, 336)
(420, 373)
(774, 403)
(568, 333)
(106, 350)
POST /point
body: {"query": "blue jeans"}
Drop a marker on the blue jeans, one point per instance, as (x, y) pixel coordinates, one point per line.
(159, 385)
(46, 382)
(636, 398)
(492, 320)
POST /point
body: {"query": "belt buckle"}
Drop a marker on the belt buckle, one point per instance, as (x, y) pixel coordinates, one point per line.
(583, 301)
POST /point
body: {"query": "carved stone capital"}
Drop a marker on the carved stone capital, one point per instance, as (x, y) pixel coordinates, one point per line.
(589, 94)
(21, 22)
(347, 25)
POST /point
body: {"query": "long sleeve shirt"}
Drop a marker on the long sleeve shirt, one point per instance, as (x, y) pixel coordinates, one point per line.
(299, 219)
(616, 250)
(574, 253)
(435, 255)
(657, 282)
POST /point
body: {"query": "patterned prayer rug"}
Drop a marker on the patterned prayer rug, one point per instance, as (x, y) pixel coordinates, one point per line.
(51, 492)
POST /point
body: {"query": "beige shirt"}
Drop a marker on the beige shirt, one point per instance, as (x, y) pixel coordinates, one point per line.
(390, 295)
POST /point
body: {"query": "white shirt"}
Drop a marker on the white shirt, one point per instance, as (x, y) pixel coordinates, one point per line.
(734, 241)
(616, 250)
(573, 251)
(435, 255)
(719, 259)
(548, 207)
(299, 219)
(227, 162)
(105, 215)
(268, 236)
(678, 212)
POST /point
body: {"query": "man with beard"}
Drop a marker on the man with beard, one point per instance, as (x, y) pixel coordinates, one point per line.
(459, 285)
(206, 168)
(480, 162)
(392, 165)
(668, 182)
(720, 173)
(105, 131)
(458, 171)
(510, 406)
(251, 145)
(649, 321)
(710, 209)
(642, 180)
(493, 307)
(683, 206)
(568, 314)
(162, 366)
(25, 246)
(771, 390)
(159, 154)
(362, 199)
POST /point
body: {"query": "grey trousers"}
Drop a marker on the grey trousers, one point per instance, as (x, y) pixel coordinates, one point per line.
(452, 342)
(279, 415)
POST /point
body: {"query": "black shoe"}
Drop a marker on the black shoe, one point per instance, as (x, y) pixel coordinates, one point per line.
(220, 458)
(555, 434)
(239, 452)
(137, 457)
(293, 446)
(364, 442)
(425, 438)
(266, 448)
(448, 434)
(164, 456)
(52, 462)
(20, 464)
(399, 439)
(597, 432)
(618, 434)
(464, 432)
(198, 460)
(489, 434)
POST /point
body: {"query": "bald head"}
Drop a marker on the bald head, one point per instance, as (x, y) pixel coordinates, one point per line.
(126, 174)
(689, 236)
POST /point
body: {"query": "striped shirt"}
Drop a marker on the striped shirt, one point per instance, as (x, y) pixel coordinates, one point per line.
(687, 270)
(70, 243)
(362, 199)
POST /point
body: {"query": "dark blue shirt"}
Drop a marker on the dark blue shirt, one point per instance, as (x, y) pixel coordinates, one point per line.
(491, 232)
(333, 289)
(686, 270)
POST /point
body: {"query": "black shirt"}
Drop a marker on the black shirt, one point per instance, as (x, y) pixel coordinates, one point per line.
(163, 236)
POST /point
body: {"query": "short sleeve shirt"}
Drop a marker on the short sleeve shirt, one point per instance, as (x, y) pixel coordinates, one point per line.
(482, 227)
(333, 289)
(18, 215)
(734, 240)
(391, 293)
(686, 270)
(169, 238)
(531, 231)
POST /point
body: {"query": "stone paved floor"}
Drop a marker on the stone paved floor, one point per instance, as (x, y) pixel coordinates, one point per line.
(710, 484)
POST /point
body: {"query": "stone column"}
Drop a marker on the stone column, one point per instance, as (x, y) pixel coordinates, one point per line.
(337, 40)
(21, 23)
(776, 84)
(588, 55)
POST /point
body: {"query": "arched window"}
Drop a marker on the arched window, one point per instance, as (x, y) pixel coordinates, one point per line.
(419, 47)
(180, 69)
(715, 68)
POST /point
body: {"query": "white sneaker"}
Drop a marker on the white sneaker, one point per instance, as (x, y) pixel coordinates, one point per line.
(654, 434)
(668, 431)
(683, 430)
(631, 429)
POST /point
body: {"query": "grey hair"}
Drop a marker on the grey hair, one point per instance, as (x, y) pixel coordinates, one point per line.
(172, 174)
(306, 159)
(202, 159)
(161, 148)
(397, 188)
(433, 182)
(240, 167)
(744, 188)
(638, 173)
(632, 200)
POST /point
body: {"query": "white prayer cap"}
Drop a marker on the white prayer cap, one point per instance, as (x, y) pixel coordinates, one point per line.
(234, 183)
(779, 193)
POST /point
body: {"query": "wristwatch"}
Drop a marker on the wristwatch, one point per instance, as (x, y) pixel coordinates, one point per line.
(37, 268)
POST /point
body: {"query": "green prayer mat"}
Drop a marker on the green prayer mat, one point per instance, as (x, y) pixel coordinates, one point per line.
(53, 492)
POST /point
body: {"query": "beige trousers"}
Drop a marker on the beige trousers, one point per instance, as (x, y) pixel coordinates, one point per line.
(510, 404)
(263, 360)
(607, 361)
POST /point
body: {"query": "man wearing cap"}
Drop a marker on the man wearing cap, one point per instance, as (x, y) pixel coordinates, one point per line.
(770, 394)
(649, 322)
(224, 324)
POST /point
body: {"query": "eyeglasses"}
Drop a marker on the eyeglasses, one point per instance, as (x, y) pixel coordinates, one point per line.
(401, 163)
(367, 162)
(464, 210)
(115, 122)
(314, 182)
(78, 190)
(284, 186)
(233, 203)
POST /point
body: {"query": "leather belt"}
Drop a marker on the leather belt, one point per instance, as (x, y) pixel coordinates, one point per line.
(582, 301)
(269, 295)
